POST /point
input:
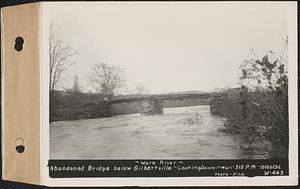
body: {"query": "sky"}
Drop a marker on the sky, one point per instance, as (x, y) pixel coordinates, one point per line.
(169, 47)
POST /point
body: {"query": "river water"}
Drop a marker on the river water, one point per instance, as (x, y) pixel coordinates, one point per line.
(180, 133)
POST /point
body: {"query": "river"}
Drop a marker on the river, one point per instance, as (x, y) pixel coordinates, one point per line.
(180, 133)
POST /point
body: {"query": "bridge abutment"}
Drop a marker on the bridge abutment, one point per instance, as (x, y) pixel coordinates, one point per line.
(152, 107)
(231, 103)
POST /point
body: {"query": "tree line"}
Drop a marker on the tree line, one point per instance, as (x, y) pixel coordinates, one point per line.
(106, 79)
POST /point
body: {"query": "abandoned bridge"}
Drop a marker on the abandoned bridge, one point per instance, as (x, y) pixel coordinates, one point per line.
(153, 104)
(231, 100)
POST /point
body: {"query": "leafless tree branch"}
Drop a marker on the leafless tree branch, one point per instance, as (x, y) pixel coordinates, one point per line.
(59, 56)
(107, 79)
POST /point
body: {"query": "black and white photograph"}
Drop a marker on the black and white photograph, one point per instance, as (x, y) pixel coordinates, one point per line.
(150, 93)
(168, 81)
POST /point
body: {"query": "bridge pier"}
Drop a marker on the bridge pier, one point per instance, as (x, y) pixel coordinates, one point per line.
(151, 107)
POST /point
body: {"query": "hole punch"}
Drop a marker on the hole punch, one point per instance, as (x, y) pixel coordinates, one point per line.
(19, 43)
(20, 145)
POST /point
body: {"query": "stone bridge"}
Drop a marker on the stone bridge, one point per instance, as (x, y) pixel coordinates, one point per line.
(231, 101)
(153, 104)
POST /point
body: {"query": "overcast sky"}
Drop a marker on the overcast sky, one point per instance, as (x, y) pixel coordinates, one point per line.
(169, 47)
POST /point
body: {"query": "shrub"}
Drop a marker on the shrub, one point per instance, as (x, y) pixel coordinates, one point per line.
(265, 130)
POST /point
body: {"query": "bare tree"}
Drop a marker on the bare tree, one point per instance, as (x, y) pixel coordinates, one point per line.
(75, 93)
(107, 79)
(140, 89)
(76, 87)
(59, 58)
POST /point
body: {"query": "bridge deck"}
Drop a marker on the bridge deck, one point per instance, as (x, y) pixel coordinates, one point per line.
(162, 97)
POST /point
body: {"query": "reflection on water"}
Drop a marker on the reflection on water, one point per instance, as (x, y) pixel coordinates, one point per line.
(185, 132)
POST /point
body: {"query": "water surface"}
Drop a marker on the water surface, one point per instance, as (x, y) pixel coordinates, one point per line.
(177, 134)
